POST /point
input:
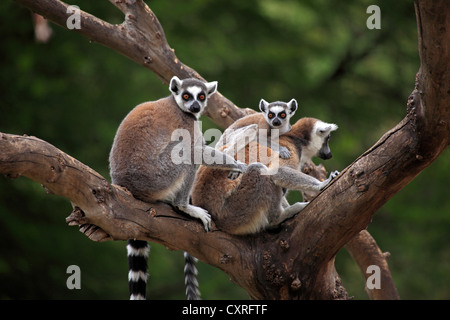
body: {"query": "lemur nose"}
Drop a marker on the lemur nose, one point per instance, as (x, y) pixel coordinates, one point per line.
(325, 155)
(195, 107)
(276, 122)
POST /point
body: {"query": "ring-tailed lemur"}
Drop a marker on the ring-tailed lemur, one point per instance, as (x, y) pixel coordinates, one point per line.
(274, 119)
(253, 201)
(141, 160)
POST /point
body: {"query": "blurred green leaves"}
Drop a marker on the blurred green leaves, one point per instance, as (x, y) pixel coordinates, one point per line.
(73, 94)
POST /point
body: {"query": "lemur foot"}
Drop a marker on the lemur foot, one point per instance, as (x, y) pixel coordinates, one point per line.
(199, 213)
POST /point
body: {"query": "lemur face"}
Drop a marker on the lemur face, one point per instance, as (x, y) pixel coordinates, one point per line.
(320, 137)
(278, 113)
(192, 95)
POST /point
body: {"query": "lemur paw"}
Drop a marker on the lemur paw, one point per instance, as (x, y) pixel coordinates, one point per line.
(199, 213)
(207, 223)
(284, 153)
(334, 174)
(206, 219)
(233, 175)
(241, 168)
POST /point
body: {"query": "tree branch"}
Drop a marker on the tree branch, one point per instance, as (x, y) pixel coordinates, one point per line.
(365, 252)
(363, 249)
(140, 38)
(109, 212)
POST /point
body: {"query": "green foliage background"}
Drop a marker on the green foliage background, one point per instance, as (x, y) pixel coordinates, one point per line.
(73, 94)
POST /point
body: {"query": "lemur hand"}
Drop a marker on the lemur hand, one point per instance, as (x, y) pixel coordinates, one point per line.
(234, 174)
(284, 153)
(333, 174)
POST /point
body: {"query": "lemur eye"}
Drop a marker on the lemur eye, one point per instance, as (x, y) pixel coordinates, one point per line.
(270, 115)
(283, 115)
(186, 96)
(202, 97)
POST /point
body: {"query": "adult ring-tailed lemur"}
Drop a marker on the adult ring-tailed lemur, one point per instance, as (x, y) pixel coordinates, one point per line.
(140, 160)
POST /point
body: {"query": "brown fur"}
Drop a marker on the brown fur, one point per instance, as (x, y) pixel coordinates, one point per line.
(252, 201)
(254, 118)
(140, 143)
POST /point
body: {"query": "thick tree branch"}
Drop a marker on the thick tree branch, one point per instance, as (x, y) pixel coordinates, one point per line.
(109, 212)
(363, 249)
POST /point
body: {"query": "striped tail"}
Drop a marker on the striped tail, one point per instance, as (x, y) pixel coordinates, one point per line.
(190, 277)
(137, 263)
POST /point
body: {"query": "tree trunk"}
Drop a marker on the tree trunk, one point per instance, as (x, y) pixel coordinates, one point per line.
(297, 261)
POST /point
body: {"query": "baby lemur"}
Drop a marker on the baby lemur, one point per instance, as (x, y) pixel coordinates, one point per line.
(253, 201)
(273, 121)
(141, 159)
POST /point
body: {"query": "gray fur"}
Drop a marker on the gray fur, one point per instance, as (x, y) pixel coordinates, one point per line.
(272, 122)
(190, 277)
(278, 122)
(142, 161)
(255, 200)
(276, 109)
(141, 155)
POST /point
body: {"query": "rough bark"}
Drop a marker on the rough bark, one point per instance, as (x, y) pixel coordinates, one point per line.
(363, 249)
(296, 261)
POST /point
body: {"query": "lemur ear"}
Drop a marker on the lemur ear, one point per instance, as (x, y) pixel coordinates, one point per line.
(175, 84)
(263, 104)
(292, 106)
(325, 128)
(334, 127)
(211, 87)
